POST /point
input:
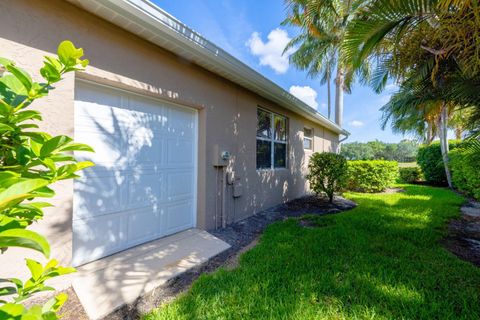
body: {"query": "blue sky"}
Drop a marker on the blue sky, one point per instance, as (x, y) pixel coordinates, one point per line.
(250, 30)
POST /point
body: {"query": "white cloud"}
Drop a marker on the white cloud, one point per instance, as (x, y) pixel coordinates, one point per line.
(356, 123)
(391, 87)
(323, 105)
(306, 94)
(384, 99)
(271, 52)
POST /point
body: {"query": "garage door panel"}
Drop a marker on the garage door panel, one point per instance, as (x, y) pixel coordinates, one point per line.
(179, 185)
(142, 225)
(98, 196)
(108, 151)
(145, 189)
(96, 238)
(179, 152)
(174, 217)
(180, 122)
(145, 151)
(142, 186)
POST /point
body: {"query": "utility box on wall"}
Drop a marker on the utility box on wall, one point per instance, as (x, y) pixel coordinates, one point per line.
(237, 189)
(220, 156)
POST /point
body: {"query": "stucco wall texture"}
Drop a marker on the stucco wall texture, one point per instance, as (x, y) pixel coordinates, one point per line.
(30, 29)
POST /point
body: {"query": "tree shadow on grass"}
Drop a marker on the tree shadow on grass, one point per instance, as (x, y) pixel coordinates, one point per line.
(380, 260)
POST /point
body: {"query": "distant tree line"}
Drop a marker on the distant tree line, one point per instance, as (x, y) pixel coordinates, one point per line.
(404, 151)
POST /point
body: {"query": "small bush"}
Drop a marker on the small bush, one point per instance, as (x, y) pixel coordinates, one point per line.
(410, 174)
(327, 173)
(429, 158)
(371, 175)
(465, 172)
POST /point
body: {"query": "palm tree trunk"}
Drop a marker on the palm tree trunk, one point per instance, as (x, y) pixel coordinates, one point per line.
(329, 98)
(339, 84)
(442, 126)
(458, 132)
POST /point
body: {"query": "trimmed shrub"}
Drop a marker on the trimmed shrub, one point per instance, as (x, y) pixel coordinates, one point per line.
(429, 158)
(327, 173)
(410, 174)
(371, 175)
(465, 172)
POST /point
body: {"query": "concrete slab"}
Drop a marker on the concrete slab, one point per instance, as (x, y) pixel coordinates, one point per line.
(106, 284)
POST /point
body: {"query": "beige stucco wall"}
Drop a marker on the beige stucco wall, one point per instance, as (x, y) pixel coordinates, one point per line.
(30, 29)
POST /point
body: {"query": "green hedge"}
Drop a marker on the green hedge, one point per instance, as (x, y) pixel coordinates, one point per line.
(410, 174)
(371, 175)
(465, 169)
(429, 158)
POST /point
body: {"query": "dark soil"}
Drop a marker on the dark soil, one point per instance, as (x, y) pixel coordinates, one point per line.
(463, 239)
(241, 236)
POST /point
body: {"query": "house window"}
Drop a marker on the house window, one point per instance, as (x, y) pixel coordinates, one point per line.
(271, 140)
(308, 138)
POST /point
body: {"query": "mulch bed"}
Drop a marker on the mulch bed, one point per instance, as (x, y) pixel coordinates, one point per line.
(463, 238)
(241, 236)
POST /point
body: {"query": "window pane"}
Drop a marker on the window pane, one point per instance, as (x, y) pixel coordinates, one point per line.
(307, 143)
(307, 132)
(263, 124)
(280, 124)
(264, 154)
(280, 155)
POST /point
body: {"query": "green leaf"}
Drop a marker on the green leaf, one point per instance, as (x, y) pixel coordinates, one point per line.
(25, 239)
(68, 54)
(44, 192)
(5, 291)
(49, 164)
(28, 126)
(17, 282)
(35, 268)
(12, 90)
(11, 311)
(21, 75)
(55, 303)
(74, 146)
(23, 155)
(5, 127)
(22, 187)
(27, 115)
(39, 137)
(53, 144)
(50, 73)
(5, 62)
(35, 147)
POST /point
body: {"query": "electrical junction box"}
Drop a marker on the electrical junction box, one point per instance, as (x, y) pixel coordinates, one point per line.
(220, 156)
(237, 189)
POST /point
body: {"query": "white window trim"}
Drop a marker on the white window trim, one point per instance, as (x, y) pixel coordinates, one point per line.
(308, 138)
(273, 141)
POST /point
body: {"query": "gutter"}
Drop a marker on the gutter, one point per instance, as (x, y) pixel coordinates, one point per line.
(153, 24)
(346, 134)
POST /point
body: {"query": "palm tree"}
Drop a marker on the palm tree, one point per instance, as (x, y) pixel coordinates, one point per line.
(324, 24)
(431, 47)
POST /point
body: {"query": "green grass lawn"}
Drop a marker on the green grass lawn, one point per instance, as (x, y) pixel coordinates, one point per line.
(382, 260)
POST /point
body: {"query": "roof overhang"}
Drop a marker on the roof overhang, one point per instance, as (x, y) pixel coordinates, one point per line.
(150, 22)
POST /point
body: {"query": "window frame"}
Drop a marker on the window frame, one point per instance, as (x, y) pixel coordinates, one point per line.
(272, 140)
(308, 138)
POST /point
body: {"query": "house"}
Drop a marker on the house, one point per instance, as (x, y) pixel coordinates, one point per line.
(186, 136)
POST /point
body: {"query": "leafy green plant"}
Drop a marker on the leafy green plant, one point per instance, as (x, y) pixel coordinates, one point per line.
(327, 173)
(410, 174)
(429, 158)
(30, 161)
(371, 175)
(465, 175)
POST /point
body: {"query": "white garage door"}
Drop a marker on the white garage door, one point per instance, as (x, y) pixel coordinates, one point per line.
(143, 185)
